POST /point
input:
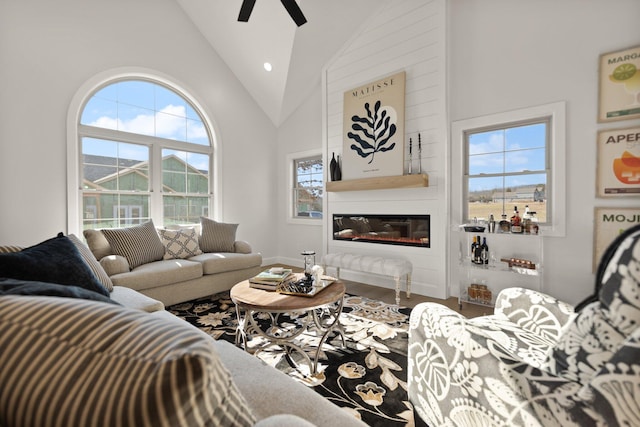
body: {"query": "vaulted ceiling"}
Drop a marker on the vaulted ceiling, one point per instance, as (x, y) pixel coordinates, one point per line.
(297, 54)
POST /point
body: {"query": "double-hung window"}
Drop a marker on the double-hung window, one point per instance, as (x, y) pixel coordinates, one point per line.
(508, 160)
(307, 186)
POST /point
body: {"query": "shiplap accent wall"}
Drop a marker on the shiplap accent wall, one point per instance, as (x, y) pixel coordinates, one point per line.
(407, 35)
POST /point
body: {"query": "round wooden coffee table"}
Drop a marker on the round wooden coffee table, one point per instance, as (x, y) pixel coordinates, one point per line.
(320, 312)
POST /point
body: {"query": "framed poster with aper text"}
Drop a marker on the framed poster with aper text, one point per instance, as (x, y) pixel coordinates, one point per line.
(619, 90)
(609, 223)
(373, 129)
(618, 162)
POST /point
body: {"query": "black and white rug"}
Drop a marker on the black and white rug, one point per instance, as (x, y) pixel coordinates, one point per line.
(367, 378)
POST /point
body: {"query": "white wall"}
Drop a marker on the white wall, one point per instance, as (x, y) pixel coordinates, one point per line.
(301, 132)
(408, 36)
(511, 54)
(50, 49)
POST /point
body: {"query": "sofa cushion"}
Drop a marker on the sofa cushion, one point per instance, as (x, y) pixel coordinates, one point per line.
(97, 364)
(139, 244)
(55, 260)
(133, 299)
(92, 262)
(217, 236)
(98, 244)
(180, 244)
(220, 262)
(159, 273)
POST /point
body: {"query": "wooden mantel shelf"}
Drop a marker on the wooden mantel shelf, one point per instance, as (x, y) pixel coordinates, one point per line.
(380, 183)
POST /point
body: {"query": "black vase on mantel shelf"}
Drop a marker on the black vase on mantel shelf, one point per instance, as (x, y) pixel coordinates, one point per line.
(332, 167)
(338, 170)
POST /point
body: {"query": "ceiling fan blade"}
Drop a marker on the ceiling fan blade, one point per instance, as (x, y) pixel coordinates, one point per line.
(245, 10)
(294, 11)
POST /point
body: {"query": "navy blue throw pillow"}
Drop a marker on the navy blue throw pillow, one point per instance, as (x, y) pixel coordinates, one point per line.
(56, 260)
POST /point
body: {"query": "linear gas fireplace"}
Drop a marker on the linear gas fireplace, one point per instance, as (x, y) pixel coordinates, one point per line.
(405, 230)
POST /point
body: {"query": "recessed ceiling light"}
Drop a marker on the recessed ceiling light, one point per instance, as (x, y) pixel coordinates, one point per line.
(267, 66)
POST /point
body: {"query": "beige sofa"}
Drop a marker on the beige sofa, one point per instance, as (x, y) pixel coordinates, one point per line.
(200, 273)
(96, 363)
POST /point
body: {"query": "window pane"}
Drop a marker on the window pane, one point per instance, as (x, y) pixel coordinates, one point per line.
(111, 165)
(510, 154)
(486, 164)
(184, 210)
(308, 180)
(136, 93)
(184, 172)
(525, 160)
(530, 136)
(486, 142)
(145, 108)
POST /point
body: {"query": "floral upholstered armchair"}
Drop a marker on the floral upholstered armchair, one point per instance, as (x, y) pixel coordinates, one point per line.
(536, 361)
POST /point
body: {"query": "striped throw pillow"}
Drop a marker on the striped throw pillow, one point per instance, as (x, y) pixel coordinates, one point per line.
(139, 244)
(85, 363)
(92, 262)
(217, 236)
(180, 244)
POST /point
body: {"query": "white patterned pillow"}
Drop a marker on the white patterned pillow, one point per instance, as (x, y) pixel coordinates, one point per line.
(139, 244)
(134, 369)
(180, 244)
(217, 236)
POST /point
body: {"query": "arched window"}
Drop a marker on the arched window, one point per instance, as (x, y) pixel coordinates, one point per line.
(145, 152)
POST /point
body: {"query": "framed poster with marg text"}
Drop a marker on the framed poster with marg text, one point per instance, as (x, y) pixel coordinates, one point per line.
(609, 223)
(373, 129)
(619, 86)
(618, 162)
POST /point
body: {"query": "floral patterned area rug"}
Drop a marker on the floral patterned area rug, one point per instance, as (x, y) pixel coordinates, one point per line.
(367, 377)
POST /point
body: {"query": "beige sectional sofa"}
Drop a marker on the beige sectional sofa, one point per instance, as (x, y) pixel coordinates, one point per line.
(80, 359)
(187, 275)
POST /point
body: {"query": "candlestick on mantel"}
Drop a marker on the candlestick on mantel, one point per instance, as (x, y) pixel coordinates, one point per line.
(419, 154)
(410, 155)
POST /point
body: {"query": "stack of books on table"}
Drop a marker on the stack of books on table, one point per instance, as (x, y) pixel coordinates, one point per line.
(271, 278)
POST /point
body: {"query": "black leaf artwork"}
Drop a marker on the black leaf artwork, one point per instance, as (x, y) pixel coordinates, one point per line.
(374, 133)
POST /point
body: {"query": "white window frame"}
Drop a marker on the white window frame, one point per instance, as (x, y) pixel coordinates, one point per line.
(74, 114)
(556, 152)
(291, 158)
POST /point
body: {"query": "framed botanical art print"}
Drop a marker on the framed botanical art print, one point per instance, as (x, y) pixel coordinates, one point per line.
(609, 223)
(618, 162)
(373, 129)
(619, 90)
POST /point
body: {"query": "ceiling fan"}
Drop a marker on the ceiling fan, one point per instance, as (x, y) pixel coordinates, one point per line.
(291, 6)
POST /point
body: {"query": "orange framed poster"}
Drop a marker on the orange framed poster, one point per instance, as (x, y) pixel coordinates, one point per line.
(619, 90)
(618, 162)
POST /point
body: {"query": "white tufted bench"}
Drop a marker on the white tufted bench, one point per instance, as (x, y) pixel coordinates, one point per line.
(396, 268)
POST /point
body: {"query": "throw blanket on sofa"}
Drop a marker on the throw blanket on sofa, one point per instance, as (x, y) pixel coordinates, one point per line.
(26, 287)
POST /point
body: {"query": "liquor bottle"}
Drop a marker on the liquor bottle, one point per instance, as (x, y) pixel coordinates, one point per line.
(526, 220)
(516, 226)
(505, 225)
(473, 250)
(484, 251)
(478, 255)
(535, 227)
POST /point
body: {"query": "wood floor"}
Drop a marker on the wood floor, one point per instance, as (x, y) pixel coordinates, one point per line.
(389, 296)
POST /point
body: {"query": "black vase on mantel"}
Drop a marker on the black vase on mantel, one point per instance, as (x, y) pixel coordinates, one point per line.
(333, 164)
(338, 172)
